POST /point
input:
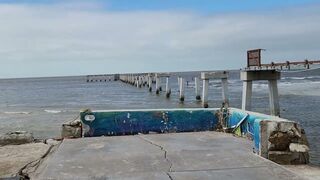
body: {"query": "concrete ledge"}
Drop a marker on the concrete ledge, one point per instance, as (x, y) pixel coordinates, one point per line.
(251, 75)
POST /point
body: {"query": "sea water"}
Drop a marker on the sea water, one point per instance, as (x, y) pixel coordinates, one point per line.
(41, 105)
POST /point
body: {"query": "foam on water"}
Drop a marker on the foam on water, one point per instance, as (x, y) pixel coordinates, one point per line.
(52, 111)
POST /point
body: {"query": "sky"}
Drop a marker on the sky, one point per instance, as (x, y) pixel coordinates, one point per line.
(76, 37)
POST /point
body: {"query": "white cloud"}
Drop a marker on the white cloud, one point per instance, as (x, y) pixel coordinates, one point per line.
(72, 38)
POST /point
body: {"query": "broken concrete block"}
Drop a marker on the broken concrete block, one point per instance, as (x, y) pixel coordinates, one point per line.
(283, 142)
(279, 141)
(287, 157)
(72, 129)
(16, 138)
(295, 147)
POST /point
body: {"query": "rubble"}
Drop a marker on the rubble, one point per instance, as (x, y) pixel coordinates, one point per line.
(285, 142)
(16, 138)
(71, 129)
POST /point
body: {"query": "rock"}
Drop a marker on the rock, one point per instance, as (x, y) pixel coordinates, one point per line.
(16, 138)
(295, 147)
(288, 158)
(72, 129)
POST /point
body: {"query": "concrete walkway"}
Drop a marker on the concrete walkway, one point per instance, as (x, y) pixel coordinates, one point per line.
(199, 155)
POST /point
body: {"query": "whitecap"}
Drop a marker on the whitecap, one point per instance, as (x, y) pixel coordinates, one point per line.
(52, 111)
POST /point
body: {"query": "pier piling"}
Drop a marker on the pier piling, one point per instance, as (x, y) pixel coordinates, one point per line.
(181, 88)
(158, 84)
(205, 88)
(197, 88)
(168, 90)
(149, 82)
(256, 75)
(205, 76)
(246, 95)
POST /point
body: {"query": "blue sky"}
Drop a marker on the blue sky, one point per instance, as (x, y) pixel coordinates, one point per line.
(212, 6)
(77, 37)
(209, 6)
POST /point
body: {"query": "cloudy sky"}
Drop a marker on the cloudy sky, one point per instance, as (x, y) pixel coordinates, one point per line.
(57, 38)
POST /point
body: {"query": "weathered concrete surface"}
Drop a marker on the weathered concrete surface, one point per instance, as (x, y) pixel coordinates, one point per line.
(14, 157)
(308, 171)
(200, 155)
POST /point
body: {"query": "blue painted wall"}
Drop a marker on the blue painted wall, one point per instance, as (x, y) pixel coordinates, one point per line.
(110, 123)
(160, 121)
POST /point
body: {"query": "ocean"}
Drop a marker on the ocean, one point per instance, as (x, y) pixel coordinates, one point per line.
(41, 105)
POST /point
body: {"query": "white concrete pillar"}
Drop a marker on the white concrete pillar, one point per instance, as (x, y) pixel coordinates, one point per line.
(150, 83)
(157, 84)
(205, 88)
(140, 81)
(181, 88)
(274, 98)
(144, 80)
(246, 95)
(225, 92)
(197, 88)
(168, 90)
(137, 81)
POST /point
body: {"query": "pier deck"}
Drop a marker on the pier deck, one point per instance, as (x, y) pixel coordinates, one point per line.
(197, 155)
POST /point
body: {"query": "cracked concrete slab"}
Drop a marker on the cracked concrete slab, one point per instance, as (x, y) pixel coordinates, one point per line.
(198, 155)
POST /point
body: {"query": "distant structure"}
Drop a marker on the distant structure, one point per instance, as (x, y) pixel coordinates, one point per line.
(254, 62)
(102, 77)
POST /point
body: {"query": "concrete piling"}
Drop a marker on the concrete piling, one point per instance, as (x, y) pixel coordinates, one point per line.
(197, 88)
(205, 88)
(205, 76)
(246, 95)
(256, 75)
(168, 90)
(274, 98)
(157, 84)
(149, 82)
(181, 88)
(225, 92)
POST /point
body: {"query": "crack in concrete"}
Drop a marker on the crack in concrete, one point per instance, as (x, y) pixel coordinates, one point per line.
(165, 154)
(219, 169)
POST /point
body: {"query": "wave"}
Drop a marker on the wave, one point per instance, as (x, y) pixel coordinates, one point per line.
(52, 111)
(293, 78)
(300, 78)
